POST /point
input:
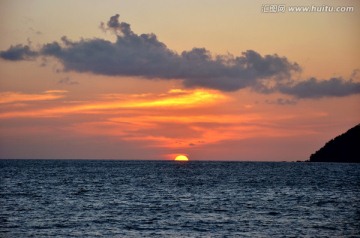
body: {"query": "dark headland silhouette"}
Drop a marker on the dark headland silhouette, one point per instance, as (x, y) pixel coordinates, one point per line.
(344, 148)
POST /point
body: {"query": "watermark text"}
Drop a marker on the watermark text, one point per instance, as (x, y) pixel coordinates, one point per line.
(282, 8)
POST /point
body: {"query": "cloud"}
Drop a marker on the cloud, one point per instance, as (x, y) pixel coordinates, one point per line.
(282, 101)
(67, 81)
(18, 52)
(12, 97)
(314, 88)
(174, 99)
(145, 56)
(32, 30)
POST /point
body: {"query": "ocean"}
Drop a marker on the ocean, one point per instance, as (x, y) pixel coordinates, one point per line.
(88, 198)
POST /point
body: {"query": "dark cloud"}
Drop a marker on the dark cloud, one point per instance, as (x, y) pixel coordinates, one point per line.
(314, 88)
(114, 21)
(145, 56)
(18, 52)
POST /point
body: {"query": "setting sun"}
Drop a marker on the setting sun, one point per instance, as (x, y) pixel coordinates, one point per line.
(181, 158)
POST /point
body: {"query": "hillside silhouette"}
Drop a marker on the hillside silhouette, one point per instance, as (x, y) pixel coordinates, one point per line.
(344, 148)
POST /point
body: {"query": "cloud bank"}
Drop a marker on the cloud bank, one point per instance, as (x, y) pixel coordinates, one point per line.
(145, 56)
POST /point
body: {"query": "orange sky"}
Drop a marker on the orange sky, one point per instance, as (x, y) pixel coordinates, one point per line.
(54, 107)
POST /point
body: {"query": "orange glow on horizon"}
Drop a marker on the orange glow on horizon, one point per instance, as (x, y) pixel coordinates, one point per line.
(181, 120)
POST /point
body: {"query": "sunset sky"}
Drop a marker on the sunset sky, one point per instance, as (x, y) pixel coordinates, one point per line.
(149, 80)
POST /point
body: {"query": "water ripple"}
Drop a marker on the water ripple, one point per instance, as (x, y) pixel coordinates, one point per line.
(42, 198)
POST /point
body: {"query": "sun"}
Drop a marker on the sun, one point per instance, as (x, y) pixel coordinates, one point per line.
(181, 158)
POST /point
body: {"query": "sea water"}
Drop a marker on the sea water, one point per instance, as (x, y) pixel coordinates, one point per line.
(77, 198)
